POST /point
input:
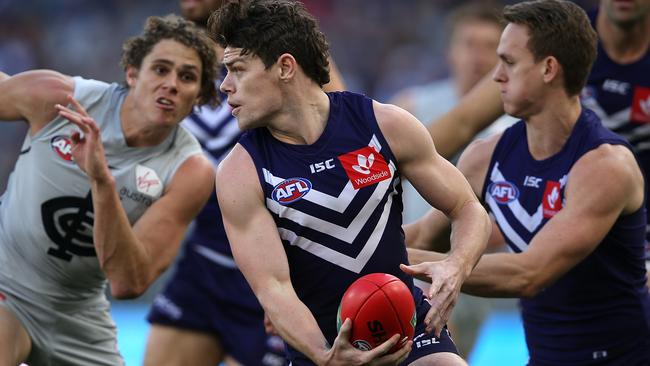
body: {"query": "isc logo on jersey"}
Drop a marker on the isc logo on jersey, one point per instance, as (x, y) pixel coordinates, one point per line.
(290, 190)
(63, 147)
(503, 192)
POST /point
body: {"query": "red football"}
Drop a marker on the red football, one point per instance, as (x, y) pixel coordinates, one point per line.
(379, 306)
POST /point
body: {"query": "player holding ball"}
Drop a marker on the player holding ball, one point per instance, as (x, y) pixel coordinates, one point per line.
(311, 196)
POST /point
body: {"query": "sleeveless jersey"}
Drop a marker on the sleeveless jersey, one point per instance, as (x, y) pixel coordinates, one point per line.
(336, 203)
(620, 96)
(600, 308)
(46, 213)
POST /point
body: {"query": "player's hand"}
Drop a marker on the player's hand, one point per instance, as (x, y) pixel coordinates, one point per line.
(446, 280)
(87, 148)
(269, 328)
(344, 353)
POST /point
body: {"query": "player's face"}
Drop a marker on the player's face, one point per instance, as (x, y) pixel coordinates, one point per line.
(253, 91)
(472, 51)
(519, 76)
(199, 11)
(167, 85)
(625, 13)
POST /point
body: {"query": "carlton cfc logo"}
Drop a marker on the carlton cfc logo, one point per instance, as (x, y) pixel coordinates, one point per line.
(63, 147)
(290, 190)
(503, 192)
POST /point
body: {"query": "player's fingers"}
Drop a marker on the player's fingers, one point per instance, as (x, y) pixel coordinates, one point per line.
(75, 119)
(346, 328)
(91, 124)
(404, 351)
(383, 348)
(414, 270)
(78, 107)
(76, 137)
(67, 111)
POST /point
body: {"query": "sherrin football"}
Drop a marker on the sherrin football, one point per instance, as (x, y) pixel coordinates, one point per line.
(379, 306)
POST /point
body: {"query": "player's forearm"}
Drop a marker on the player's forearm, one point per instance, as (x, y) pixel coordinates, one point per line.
(121, 255)
(294, 322)
(471, 229)
(500, 275)
(476, 110)
(423, 233)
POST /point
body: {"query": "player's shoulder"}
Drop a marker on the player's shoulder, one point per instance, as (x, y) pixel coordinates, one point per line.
(610, 175)
(238, 164)
(479, 151)
(237, 179)
(615, 160)
(475, 160)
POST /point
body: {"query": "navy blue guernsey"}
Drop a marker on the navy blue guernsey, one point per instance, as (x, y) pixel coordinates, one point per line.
(620, 96)
(337, 204)
(217, 132)
(600, 309)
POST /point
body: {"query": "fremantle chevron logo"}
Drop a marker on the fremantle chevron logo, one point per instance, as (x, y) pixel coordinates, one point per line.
(290, 190)
(503, 192)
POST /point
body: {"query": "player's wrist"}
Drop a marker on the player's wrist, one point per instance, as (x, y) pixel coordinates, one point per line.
(106, 180)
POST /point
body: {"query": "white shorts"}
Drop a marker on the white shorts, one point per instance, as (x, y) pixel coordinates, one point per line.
(65, 335)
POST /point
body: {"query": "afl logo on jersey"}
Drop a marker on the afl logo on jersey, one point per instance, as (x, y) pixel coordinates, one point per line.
(290, 190)
(63, 147)
(503, 192)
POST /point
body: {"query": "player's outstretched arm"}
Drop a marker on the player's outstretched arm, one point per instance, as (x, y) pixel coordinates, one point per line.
(475, 111)
(445, 188)
(132, 257)
(32, 95)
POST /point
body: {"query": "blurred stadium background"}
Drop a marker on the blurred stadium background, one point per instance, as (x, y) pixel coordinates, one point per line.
(380, 46)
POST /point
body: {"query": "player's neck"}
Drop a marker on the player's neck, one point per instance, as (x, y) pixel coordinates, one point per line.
(548, 131)
(624, 45)
(304, 120)
(137, 132)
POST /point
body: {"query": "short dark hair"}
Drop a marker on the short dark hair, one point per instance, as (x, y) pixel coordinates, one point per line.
(269, 28)
(173, 27)
(560, 29)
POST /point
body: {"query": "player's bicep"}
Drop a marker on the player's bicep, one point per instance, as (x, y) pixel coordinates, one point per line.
(32, 95)
(252, 233)
(601, 187)
(435, 179)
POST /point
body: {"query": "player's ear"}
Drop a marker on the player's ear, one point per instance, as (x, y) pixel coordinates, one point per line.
(550, 68)
(131, 76)
(287, 66)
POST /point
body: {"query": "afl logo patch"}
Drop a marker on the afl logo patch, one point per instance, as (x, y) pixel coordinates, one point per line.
(503, 192)
(63, 147)
(290, 190)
